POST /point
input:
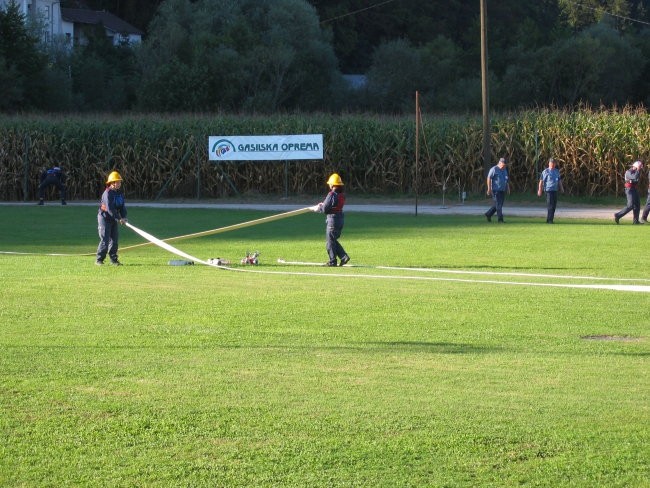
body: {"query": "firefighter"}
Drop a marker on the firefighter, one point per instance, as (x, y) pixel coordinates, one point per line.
(52, 177)
(332, 207)
(632, 177)
(112, 211)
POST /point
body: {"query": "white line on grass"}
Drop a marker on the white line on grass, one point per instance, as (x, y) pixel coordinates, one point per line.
(634, 288)
(473, 272)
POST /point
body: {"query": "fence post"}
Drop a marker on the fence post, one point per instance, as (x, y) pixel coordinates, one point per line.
(27, 145)
(286, 179)
(198, 178)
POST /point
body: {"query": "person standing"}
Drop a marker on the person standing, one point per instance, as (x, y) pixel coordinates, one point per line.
(332, 207)
(52, 177)
(112, 211)
(646, 210)
(632, 177)
(498, 183)
(550, 182)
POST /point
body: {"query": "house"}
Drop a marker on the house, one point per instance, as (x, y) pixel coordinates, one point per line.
(74, 24)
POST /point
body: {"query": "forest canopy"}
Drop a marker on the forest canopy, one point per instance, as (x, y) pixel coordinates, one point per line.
(294, 55)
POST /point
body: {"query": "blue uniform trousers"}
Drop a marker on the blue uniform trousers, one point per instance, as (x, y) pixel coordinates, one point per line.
(109, 235)
(498, 197)
(332, 234)
(633, 203)
(551, 204)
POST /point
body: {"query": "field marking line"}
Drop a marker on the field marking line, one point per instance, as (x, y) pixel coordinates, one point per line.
(634, 288)
(472, 272)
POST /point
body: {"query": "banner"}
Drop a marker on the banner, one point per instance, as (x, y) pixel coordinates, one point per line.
(263, 148)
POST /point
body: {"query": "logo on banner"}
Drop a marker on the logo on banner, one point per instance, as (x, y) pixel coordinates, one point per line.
(223, 147)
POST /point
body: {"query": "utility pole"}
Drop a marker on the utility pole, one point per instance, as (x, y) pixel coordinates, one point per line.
(487, 151)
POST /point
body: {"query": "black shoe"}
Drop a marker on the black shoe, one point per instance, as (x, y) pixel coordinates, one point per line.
(99, 262)
(616, 218)
(41, 202)
(330, 264)
(488, 217)
(345, 260)
(116, 263)
(63, 202)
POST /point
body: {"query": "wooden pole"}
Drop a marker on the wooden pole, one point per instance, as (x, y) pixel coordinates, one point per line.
(417, 148)
(487, 151)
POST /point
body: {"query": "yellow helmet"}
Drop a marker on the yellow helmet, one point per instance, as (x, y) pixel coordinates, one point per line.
(113, 177)
(335, 180)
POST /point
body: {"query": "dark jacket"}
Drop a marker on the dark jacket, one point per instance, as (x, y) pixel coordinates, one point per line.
(112, 206)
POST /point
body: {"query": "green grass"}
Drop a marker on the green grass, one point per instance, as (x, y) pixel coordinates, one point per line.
(156, 375)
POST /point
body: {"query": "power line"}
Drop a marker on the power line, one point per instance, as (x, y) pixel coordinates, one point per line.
(357, 11)
(595, 9)
(609, 13)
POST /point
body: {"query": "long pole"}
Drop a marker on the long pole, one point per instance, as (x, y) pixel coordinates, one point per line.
(417, 147)
(487, 151)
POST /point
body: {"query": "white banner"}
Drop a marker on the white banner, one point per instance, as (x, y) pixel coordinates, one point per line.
(265, 148)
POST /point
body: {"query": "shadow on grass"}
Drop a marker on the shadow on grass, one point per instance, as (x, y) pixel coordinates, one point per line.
(404, 346)
(434, 347)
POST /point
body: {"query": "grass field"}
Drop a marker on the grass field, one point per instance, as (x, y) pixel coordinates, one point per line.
(157, 375)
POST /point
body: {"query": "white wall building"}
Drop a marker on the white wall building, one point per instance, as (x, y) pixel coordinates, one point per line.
(74, 24)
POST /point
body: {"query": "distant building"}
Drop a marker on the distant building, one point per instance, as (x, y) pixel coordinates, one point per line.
(73, 24)
(356, 82)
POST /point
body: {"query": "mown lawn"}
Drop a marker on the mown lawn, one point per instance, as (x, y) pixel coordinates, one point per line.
(157, 375)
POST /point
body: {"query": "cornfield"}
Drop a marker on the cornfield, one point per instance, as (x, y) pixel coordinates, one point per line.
(167, 156)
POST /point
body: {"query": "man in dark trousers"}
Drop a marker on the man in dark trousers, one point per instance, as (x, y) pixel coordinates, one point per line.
(498, 183)
(646, 210)
(550, 182)
(53, 176)
(632, 177)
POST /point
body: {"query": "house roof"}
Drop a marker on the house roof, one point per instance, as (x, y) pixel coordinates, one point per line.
(94, 17)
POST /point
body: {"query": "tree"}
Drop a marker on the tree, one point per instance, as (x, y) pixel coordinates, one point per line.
(260, 55)
(587, 12)
(22, 65)
(103, 75)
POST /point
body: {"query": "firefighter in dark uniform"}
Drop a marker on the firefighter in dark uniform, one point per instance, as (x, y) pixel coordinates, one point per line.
(112, 211)
(632, 177)
(646, 210)
(52, 177)
(332, 207)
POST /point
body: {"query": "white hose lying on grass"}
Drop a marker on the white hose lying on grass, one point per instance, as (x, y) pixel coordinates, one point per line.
(164, 245)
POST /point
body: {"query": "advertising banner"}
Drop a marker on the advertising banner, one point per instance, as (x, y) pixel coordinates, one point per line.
(265, 148)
